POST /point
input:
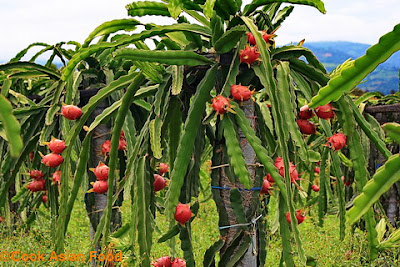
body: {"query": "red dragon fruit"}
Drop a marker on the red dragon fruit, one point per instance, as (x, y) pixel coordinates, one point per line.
(163, 168)
(122, 144)
(36, 174)
(315, 188)
(106, 147)
(162, 262)
(101, 171)
(71, 112)
(52, 160)
(56, 145)
(294, 175)
(37, 185)
(267, 37)
(266, 186)
(299, 216)
(269, 178)
(306, 114)
(178, 263)
(183, 213)
(250, 38)
(220, 104)
(337, 141)
(306, 126)
(31, 156)
(325, 111)
(249, 55)
(159, 182)
(99, 187)
(241, 92)
(57, 176)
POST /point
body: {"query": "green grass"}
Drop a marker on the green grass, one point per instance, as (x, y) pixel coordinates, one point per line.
(320, 243)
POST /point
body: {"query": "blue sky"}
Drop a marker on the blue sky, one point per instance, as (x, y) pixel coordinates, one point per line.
(24, 22)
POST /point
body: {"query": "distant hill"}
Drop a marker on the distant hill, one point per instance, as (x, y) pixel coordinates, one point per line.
(384, 79)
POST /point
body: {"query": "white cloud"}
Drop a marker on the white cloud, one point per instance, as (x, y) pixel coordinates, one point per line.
(52, 21)
(24, 22)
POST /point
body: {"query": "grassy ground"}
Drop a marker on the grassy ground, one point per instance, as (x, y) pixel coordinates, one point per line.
(320, 243)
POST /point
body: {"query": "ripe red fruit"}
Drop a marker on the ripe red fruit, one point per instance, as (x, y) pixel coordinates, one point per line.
(337, 141)
(36, 174)
(56, 145)
(159, 182)
(37, 185)
(306, 127)
(122, 134)
(279, 164)
(31, 156)
(220, 104)
(266, 186)
(288, 217)
(178, 263)
(122, 144)
(325, 111)
(100, 187)
(240, 92)
(317, 170)
(40, 185)
(183, 213)
(315, 188)
(52, 160)
(44, 199)
(71, 112)
(101, 171)
(299, 217)
(163, 168)
(249, 55)
(57, 176)
(267, 37)
(269, 178)
(250, 38)
(162, 262)
(106, 147)
(306, 114)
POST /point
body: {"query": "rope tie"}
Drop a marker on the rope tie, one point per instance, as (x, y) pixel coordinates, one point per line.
(253, 222)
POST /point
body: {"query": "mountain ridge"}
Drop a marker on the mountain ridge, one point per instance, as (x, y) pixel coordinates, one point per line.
(385, 78)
